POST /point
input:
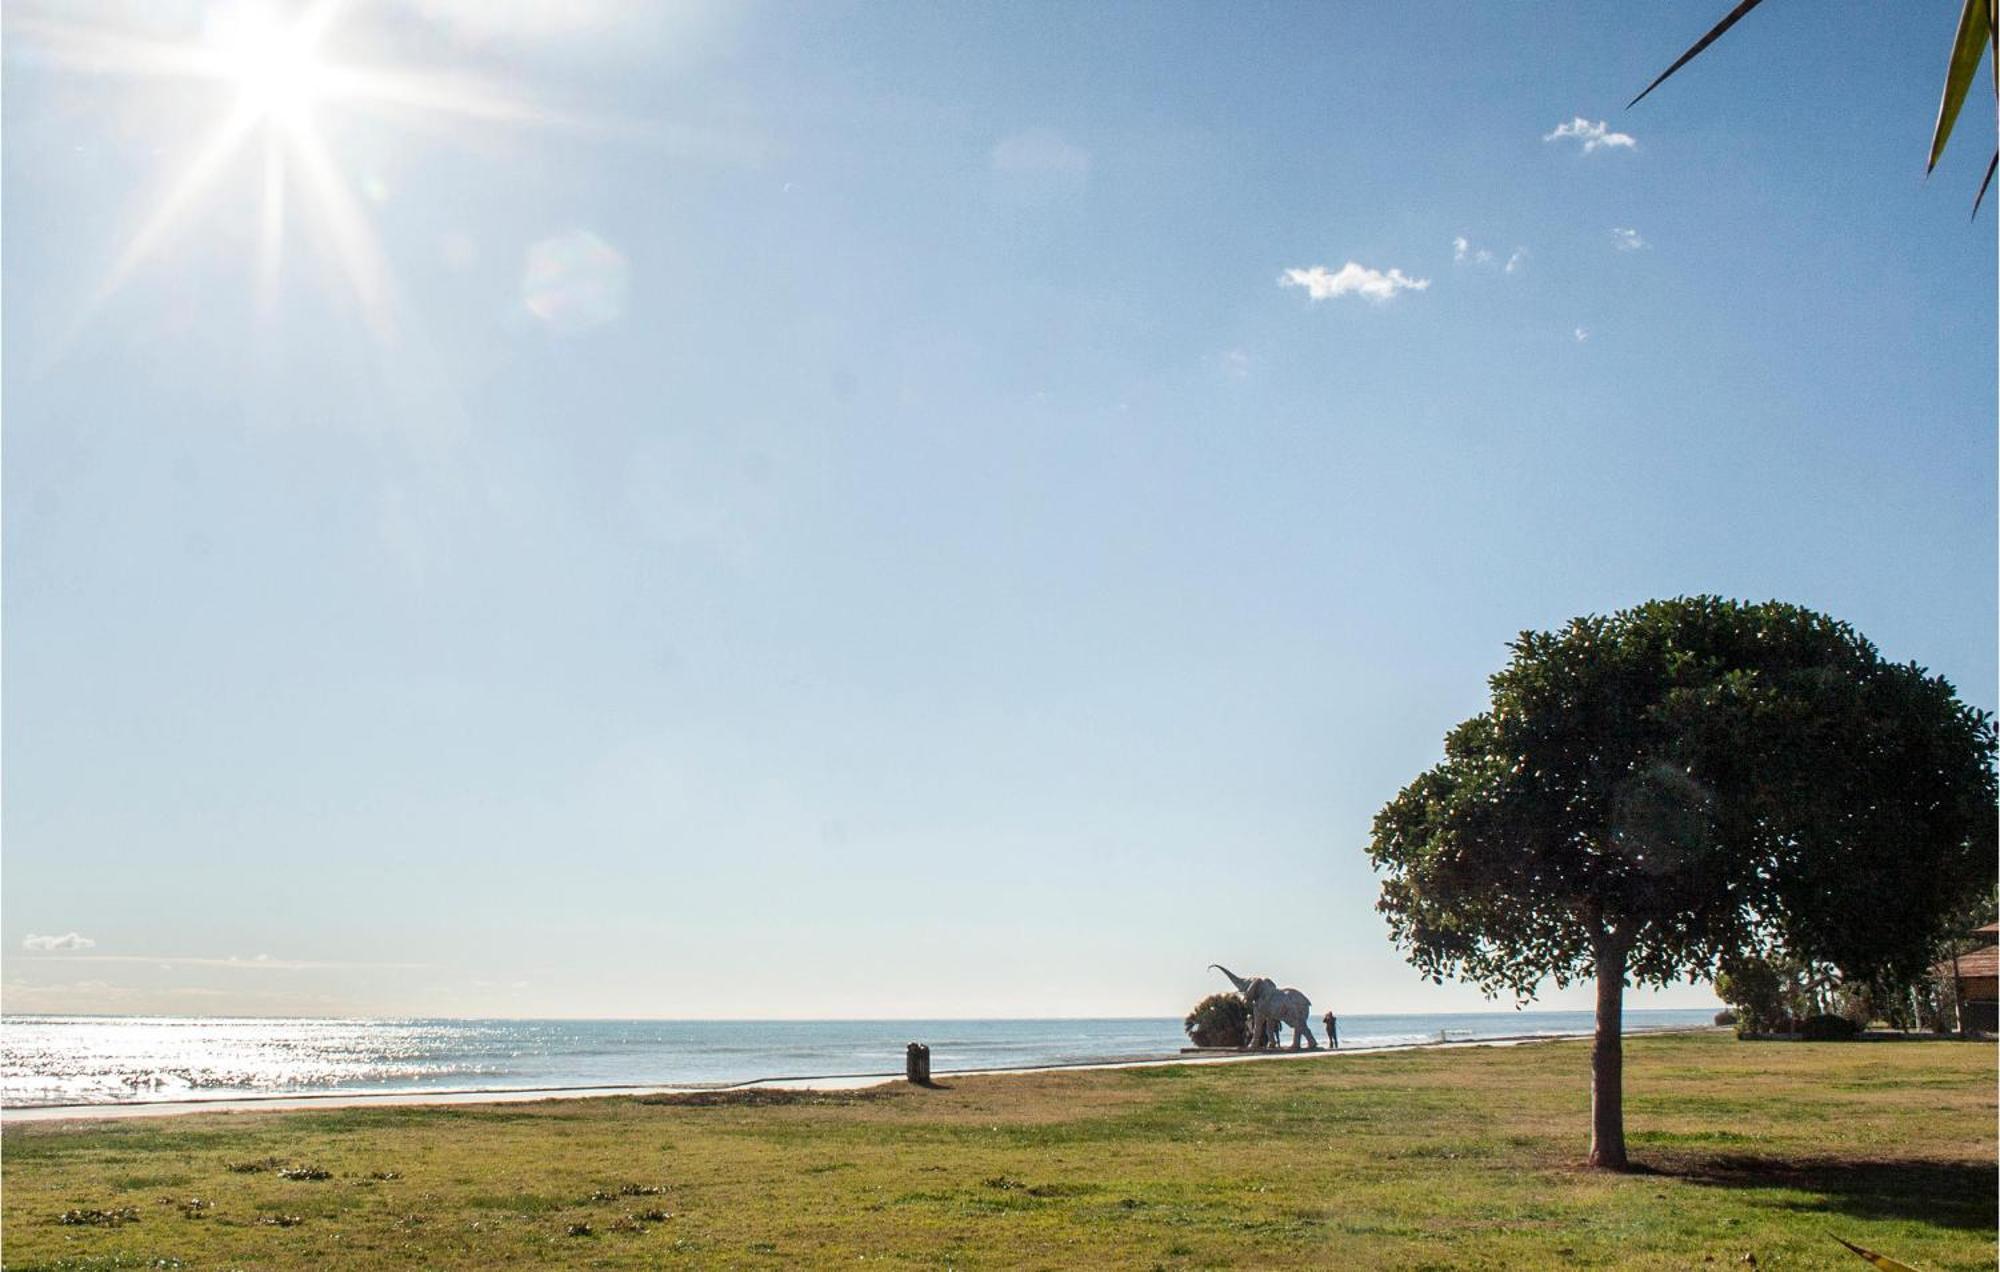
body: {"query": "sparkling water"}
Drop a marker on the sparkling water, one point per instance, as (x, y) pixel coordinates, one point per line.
(126, 1059)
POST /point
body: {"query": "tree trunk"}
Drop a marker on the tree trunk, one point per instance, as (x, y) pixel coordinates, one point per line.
(1957, 993)
(1607, 1060)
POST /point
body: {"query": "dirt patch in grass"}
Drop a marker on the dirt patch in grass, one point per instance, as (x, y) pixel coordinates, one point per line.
(768, 1097)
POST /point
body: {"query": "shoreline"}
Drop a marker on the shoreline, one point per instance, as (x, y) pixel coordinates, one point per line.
(297, 1101)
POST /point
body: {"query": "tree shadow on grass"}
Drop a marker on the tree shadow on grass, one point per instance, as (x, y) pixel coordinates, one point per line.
(1945, 1194)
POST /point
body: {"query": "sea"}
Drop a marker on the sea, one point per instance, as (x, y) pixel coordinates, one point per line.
(93, 1060)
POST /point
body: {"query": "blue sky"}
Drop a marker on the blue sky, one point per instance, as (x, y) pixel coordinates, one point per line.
(840, 510)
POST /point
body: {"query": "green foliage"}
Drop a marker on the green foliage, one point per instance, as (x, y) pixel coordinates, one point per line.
(1768, 992)
(1219, 1020)
(1859, 1003)
(1927, 1001)
(1688, 781)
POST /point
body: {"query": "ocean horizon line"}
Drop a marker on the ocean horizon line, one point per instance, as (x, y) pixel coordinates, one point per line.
(764, 1020)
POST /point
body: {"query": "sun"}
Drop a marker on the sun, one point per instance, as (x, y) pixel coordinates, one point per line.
(280, 84)
(275, 67)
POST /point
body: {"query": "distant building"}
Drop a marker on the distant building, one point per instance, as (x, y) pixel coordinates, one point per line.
(1975, 976)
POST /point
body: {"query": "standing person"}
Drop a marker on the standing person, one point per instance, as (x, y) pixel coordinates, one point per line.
(1332, 1030)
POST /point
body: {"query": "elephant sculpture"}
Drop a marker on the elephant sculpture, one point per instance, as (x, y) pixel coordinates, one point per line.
(1274, 1033)
(1270, 1007)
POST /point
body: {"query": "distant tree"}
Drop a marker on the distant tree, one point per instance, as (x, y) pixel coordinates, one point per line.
(1682, 783)
(1767, 991)
(1773, 991)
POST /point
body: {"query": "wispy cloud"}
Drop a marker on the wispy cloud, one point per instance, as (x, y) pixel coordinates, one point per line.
(262, 962)
(1235, 364)
(67, 941)
(1352, 279)
(1628, 240)
(1581, 333)
(1597, 136)
(1465, 252)
(103, 996)
(1040, 152)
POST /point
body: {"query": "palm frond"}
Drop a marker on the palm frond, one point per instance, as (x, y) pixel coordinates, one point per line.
(1991, 164)
(1968, 49)
(1735, 15)
(1882, 1261)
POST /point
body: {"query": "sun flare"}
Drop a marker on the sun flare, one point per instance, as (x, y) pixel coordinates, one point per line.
(275, 67)
(281, 83)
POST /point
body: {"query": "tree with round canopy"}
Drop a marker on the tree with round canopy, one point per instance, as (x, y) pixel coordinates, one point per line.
(1653, 792)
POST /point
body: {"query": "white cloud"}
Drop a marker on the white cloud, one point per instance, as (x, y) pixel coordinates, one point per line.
(1597, 136)
(1582, 334)
(1465, 252)
(1040, 152)
(67, 941)
(1628, 240)
(1235, 364)
(1352, 279)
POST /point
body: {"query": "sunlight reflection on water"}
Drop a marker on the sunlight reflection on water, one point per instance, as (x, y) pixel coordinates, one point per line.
(104, 1059)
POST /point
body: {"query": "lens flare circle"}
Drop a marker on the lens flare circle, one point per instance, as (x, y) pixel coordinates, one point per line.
(575, 282)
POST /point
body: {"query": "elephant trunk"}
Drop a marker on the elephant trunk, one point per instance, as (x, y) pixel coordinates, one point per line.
(1241, 984)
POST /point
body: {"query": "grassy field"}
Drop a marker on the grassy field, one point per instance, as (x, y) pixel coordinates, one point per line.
(1439, 1159)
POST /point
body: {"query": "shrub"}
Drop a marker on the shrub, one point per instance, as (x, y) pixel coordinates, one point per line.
(1765, 993)
(1725, 1017)
(1827, 1028)
(1219, 1020)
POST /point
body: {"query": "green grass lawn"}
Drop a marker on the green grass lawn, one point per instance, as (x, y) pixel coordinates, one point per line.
(1441, 1159)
